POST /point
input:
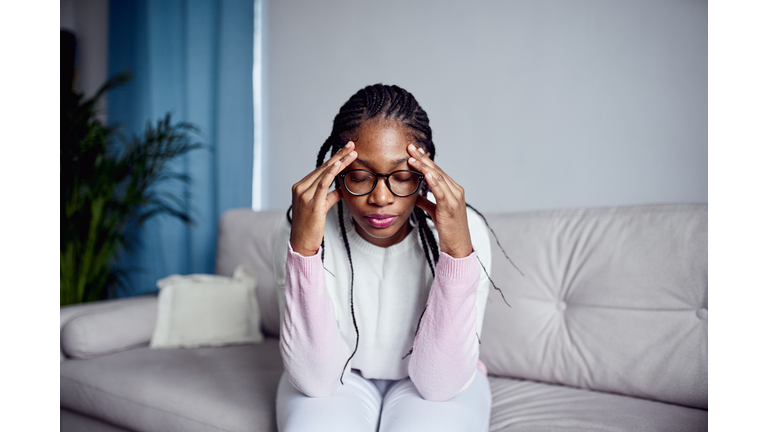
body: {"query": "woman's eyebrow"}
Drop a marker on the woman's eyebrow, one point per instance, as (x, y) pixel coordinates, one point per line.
(393, 163)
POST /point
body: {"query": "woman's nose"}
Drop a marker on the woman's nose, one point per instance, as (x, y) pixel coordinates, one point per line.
(381, 195)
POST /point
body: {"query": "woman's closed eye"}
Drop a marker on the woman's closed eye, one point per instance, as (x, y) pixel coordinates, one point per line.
(359, 178)
(404, 177)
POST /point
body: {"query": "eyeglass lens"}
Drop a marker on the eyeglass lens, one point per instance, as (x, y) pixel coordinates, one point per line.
(400, 182)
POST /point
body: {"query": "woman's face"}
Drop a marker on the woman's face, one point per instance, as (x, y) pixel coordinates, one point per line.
(381, 217)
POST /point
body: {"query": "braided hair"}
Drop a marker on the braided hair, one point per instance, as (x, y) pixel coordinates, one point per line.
(383, 102)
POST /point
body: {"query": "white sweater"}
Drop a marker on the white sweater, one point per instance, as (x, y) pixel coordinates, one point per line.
(391, 288)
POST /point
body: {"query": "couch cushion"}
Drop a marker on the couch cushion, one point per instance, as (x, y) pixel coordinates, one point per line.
(612, 299)
(530, 406)
(229, 388)
(99, 328)
(70, 421)
(246, 237)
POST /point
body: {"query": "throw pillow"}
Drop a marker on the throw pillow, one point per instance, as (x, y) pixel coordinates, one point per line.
(207, 310)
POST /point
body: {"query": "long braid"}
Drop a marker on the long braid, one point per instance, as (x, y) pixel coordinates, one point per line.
(497, 240)
(422, 227)
(424, 231)
(502, 250)
(351, 289)
(323, 150)
(434, 247)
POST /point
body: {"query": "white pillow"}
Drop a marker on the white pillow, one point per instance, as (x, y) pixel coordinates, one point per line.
(207, 310)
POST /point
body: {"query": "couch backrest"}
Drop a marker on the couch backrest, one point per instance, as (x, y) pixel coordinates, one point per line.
(613, 299)
(246, 237)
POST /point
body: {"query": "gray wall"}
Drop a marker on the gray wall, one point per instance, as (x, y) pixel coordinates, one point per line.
(534, 104)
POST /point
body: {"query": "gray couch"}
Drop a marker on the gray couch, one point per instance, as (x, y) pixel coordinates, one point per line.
(607, 331)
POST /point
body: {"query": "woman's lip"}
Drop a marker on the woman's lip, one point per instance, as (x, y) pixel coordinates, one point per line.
(380, 221)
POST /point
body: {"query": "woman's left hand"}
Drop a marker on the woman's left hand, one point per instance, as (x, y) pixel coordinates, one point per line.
(450, 212)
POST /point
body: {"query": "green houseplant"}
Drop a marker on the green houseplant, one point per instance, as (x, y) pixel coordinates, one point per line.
(109, 189)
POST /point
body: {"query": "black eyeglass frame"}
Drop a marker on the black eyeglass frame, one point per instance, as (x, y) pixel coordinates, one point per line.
(386, 181)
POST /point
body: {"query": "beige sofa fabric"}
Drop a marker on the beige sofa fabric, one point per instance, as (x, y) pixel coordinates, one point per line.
(72, 421)
(612, 300)
(528, 406)
(245, 237)
(95, 329)
(229, 388)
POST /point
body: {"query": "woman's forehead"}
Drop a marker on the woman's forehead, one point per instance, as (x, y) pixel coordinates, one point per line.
(383, 140)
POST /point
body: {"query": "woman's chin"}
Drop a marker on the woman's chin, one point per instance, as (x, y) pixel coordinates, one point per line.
(392, 234)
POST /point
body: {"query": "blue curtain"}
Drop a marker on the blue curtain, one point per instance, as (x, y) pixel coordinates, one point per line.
(194, 59)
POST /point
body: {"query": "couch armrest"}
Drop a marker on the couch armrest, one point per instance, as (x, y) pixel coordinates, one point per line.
(94, 329)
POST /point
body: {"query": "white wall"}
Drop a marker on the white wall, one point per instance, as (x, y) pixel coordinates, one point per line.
(534, 104)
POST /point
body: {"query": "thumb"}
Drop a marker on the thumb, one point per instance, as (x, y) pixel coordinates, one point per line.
(426, 205)
(332, 198)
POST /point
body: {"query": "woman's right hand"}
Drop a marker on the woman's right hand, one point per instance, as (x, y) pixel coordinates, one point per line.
(311, 201)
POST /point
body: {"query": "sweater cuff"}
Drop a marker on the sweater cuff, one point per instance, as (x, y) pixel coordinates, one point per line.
(306, 265)
(457, 268)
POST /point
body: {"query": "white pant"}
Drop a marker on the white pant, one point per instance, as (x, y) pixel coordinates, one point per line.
(362, 405)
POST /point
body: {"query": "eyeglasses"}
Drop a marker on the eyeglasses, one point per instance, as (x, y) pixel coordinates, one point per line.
(401, 183)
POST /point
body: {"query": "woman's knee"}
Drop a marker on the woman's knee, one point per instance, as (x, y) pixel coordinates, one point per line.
(404, 410)
(353, 407)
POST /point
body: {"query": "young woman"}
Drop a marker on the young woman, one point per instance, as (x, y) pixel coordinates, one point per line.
(382, 290)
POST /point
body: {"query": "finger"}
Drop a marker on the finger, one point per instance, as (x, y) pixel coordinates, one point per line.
(323, 183)
(435, 180)
(441, 175)
(312, 177)
(348, 158)
(426, 205)
(448, 201)
(340, 163)
(340, 153)
(438, 188)
(421, 161)
(332, 198)
(348, 148)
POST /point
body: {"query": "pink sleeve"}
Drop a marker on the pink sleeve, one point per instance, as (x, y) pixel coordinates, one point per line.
(446, 349)
(310, 342)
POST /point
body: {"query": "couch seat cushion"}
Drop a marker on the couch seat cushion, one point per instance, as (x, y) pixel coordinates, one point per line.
(520, 405)
(229, 388)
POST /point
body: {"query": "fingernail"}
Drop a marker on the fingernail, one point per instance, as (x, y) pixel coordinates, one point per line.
(421, 150)
(412, 147)
(429, 175)
(411, 160)
(353, 153)
(349, 144)
(336, 163)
